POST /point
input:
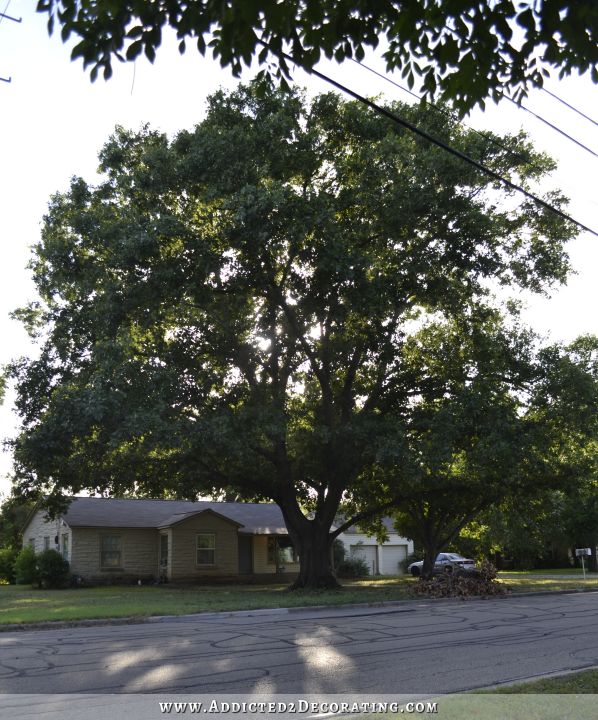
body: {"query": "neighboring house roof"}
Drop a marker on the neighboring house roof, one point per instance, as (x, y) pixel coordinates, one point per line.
(253, 518)
(356, 530)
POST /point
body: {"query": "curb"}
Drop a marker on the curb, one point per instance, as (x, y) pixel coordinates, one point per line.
(222, 615)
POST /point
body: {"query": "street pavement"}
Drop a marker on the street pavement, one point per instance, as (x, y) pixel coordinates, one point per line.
(411, 648)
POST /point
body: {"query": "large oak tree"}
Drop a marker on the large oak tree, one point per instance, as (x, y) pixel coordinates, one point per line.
(225, 312)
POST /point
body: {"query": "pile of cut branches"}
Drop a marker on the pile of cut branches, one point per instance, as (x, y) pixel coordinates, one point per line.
(483, 583)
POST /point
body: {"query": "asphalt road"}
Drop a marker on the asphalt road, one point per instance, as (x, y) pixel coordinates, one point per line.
(438, 647)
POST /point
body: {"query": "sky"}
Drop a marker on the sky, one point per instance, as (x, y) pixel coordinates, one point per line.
(54, 121)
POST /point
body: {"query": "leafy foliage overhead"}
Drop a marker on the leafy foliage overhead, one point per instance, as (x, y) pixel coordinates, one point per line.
(466, 49)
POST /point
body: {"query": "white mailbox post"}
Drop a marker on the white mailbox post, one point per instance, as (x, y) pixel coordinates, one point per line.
(582, 553)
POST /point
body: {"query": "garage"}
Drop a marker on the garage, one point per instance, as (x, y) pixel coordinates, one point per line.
(391, 556)
(369, 554)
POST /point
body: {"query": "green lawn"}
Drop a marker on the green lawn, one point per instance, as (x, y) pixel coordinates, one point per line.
(583, 682)
(555, 571)
(531, 583)
(571, 696)
(22, 604)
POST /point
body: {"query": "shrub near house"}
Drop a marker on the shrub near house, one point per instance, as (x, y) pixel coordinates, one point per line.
(25, 567)
(7, 565)
(47, 569)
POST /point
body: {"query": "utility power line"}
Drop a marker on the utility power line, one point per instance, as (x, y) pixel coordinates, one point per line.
(455, 116)
(8, 17)
(552, 125)
(564, 102)
(444, 111)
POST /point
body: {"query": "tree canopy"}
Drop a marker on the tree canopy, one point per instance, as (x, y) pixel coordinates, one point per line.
(227, 312)
(467, 50)
(495, 424)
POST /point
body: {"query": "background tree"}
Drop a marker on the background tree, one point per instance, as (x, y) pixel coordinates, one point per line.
(468, 49)
(532, 522)
(13, 514)
(520, 532)
(225, 312)
(459, 440)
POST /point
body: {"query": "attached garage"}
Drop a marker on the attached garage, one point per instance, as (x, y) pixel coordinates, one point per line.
(391, 556)
(368, 553)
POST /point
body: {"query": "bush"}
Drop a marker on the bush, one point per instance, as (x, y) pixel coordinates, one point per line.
(25, 567)
(415, 556)
(52, 569)
(482, 583)
(338, 552)
(353, 567)
(7, 565)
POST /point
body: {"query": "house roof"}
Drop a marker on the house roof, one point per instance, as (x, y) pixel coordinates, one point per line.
(254, 518)
(356, 530)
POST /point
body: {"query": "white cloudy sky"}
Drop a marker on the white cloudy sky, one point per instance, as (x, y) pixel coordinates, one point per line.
(53, 122)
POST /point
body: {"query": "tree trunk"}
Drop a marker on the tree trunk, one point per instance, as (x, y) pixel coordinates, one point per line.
(313, 544)
(431, 550)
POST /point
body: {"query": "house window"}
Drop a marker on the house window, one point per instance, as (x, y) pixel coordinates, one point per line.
(283, 548)
(206, 549)
(47, 543)
(32, 543)
(111, 552)
(65, 546)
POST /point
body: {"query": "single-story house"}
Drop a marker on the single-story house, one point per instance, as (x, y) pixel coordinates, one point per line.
(112, 539)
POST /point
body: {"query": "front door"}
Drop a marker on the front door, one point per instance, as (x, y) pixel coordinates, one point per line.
(245, 554)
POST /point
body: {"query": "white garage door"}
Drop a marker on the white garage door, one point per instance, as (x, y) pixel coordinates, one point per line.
(367, 553)
(392, 555)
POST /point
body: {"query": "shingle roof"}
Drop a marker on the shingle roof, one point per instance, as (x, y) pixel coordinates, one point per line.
(355, 529)
(255, 518)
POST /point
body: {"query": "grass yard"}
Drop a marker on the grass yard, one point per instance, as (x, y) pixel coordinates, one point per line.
(22, 604)
(571, 696)
(584, 682)
(555, 571)
(530, 583)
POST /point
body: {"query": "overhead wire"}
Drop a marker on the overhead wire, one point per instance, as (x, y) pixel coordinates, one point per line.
(451, 114)
(435, 141)
(552, 125)
(571, 107)
(2, 14)
(444, 111)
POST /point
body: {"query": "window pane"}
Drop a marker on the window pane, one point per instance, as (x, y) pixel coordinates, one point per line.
(206, 541)
(110, 556)
(110, 542)
(111, 559)
(205, 557)
(206, 549)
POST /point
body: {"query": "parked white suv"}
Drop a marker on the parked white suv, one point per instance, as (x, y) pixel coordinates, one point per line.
(448, 563)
